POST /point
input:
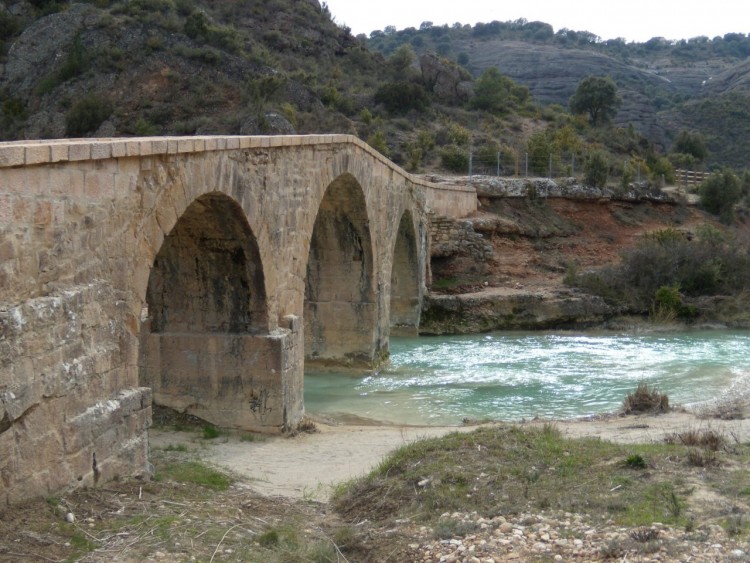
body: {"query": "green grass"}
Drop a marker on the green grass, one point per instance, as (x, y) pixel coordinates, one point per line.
(196, 473)
(507, 470)
(210, 432)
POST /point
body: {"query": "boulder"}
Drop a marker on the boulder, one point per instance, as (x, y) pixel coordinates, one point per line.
(445, 79)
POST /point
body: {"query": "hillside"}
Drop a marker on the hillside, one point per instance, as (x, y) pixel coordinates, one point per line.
(150, 67)
(698, 84)
(157, 67)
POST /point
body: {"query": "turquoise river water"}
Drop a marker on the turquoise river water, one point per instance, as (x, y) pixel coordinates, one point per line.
(512, 376)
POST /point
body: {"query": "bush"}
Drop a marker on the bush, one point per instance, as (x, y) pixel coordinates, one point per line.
(667, 264)
(454, 159)
(378, 142)
(87, 114)
(399, 98)
(596, 169)
(720, 193)
(667, 303)
(661, 169)
(453, 134)
(645, 399)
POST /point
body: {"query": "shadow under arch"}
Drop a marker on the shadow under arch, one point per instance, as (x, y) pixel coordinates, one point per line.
(406, 305)
(204, 342)
(341, 309)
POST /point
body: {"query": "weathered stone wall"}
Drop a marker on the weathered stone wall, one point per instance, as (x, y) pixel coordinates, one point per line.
(457, 238)
(448, 200)
(82, 223)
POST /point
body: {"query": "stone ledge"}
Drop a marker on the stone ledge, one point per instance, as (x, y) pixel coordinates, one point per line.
(40, 152)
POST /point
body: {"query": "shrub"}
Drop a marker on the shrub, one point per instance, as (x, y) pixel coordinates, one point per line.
(667, 303)
(414, 156)
(378, 142)
(706, 438)
(635, 461)
(454, 159)
(399, 98)
(720, 193)
(661, 169)
(645, 399)
(87, 114)
(8, 25)
(596, 169)
(453, 134)
(143, 128)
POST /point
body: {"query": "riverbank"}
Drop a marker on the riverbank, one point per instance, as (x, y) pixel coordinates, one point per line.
(247, 497)
(310, 465)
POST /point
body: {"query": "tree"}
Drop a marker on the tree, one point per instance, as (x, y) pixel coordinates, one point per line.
(495, 93)
(596, 169)
(597, 96)
(720, 193)
(401, 60)
(691, 143)
(401, 97)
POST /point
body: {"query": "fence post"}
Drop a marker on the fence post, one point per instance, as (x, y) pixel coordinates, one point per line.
(550, 166)
(527, 165)
(471, 158)
(498, 164)
(573, 165)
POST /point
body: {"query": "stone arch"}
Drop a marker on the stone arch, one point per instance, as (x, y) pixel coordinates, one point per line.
(207, 276)
(340, 311)
(405, 306)
(204, 342)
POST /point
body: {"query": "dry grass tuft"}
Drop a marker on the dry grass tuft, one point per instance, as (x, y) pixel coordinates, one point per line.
(705, 438)
(645, 399)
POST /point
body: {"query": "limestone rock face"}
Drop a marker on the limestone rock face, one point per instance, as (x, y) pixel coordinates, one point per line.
(43, 47)
(445, 79)
(510, 310)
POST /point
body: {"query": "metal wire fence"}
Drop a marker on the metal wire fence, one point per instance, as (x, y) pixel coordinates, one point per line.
(523, 164)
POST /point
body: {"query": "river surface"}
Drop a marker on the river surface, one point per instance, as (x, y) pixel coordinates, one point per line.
(520, 375)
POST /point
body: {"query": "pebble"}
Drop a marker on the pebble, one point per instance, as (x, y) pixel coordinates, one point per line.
(70, 517)
(566, 537)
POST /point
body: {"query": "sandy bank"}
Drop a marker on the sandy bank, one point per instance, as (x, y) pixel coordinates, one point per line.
(309, 466)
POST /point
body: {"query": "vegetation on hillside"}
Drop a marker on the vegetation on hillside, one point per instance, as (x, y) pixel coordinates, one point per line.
(665, 89)
(672, 274)
(153, 67)
(443, 39)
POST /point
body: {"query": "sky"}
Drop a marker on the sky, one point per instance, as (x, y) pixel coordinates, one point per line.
(633, 20)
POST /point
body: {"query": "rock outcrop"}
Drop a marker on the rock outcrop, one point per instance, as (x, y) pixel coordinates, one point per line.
(449, 82)
(511, 310)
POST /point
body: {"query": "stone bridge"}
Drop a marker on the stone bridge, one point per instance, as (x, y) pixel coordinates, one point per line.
(198, 273)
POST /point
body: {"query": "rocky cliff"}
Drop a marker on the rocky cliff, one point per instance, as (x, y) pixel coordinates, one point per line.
(504, 268)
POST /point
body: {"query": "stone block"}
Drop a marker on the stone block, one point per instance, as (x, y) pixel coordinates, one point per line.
(79, 151)
(59, 152)
(146, 148)
(159, 146)
(185, 145)
(37, 154)
(101, 151)
(12, 155)
(133, 148)
(119, 149)
(99, 185)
